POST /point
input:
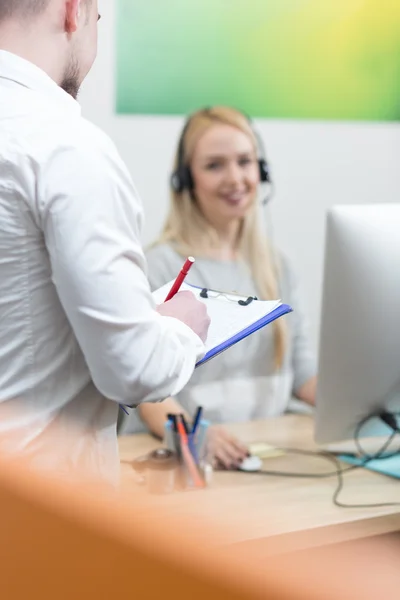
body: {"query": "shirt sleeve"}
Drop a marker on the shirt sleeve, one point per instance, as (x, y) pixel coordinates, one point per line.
(303, 358)
(91, 219)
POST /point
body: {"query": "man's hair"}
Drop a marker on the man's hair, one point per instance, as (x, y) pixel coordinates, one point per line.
(21, 8)
(25, 8)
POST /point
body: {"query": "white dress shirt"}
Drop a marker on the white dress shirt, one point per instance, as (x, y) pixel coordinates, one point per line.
(78, 328)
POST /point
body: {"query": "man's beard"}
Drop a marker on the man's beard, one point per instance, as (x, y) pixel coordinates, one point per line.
(71, 80)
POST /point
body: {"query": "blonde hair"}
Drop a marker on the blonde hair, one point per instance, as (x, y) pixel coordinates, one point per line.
(189, 232)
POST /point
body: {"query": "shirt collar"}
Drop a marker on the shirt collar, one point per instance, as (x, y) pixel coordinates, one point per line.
(25, 73)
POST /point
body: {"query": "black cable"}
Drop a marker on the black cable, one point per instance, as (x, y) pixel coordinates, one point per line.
(339, 471)
(299, 475)
(390, 419)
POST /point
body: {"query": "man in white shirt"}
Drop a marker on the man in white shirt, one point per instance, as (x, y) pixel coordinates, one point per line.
(79, 331)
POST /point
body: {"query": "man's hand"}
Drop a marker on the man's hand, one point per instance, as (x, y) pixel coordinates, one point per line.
(186, 308)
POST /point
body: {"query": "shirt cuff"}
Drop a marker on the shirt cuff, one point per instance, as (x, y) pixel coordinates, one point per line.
(184, 331)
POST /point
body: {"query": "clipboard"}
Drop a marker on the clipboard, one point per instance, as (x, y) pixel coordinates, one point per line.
(233, 317)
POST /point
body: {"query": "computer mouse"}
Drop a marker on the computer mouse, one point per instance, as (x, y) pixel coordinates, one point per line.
(251, 463)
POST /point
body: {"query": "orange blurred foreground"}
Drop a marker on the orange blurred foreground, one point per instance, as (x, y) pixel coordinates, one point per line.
(64, 539)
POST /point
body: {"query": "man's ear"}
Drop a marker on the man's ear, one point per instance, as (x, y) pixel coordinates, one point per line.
(72, 12)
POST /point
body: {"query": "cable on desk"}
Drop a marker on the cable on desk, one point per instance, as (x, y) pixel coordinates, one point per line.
(389, 418)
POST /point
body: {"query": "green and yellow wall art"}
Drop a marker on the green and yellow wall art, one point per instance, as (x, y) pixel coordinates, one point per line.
(293, 59)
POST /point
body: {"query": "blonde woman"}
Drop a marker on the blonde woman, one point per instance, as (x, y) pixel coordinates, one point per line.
(215, 216)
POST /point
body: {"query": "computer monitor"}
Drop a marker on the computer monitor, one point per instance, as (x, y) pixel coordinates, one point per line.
(359, 356)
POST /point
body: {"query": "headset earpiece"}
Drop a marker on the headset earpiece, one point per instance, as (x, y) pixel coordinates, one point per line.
(264, 171)
(181, 179)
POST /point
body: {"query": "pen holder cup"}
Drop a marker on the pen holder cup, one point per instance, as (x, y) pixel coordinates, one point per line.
(194, 459)
(162, 470)
(158, 471)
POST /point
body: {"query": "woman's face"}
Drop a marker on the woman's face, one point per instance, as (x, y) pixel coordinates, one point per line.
(225, 173)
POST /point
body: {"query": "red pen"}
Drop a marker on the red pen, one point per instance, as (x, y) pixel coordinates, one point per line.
(179, 280)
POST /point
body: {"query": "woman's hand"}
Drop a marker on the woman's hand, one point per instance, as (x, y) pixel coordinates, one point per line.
(225, 449)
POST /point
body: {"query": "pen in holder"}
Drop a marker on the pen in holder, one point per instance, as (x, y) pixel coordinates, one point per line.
(191, 449)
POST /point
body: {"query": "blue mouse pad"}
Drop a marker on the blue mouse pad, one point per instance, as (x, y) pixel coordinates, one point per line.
(387, 466)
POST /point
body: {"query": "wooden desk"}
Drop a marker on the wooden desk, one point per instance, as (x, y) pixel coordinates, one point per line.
(285, 511)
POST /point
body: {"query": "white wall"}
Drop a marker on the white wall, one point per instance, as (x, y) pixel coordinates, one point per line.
(314, 164)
